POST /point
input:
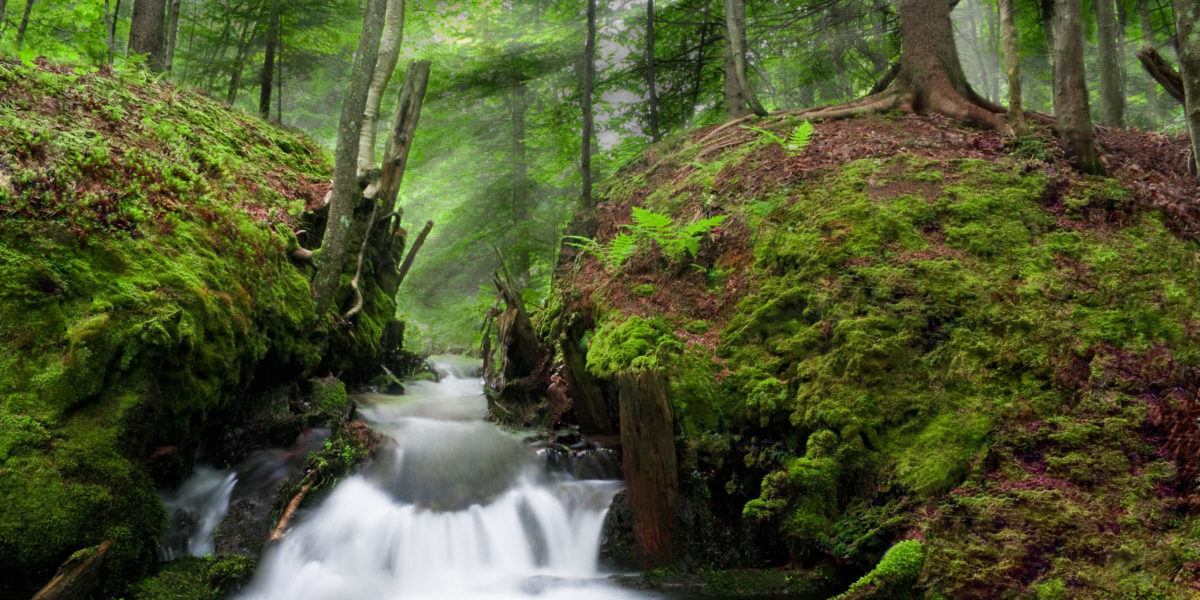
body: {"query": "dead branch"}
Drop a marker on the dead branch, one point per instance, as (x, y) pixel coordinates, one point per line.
(78, 576)
(1162, 72)
(289, 512)
(412, 252)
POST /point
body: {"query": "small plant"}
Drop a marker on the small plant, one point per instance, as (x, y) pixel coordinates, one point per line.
(796, 141)
(648, 226)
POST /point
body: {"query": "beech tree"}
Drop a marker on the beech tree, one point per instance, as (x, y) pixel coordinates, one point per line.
(1112, 86)
(1008, 33)
(389, 52)
(589, 68)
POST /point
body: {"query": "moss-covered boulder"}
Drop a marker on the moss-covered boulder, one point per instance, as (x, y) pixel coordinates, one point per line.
(910, 330)
(145, 288)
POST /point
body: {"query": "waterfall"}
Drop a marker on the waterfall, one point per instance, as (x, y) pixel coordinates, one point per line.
(195, 510)
(453, 507)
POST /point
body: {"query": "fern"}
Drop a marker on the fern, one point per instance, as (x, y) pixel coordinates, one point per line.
(800, 137)
(619, 250)
(770, 135)
(648, 226)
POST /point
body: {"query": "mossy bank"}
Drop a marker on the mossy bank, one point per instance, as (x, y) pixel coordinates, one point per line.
(911, 333)
(145, 293)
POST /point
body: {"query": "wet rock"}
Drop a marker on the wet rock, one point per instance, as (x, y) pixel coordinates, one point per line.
(618, 549)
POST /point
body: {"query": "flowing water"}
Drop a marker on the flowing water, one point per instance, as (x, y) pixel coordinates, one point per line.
(196, 509)
(452, 508)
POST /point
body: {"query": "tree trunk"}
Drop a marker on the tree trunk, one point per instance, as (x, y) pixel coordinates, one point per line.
(520, 181)
(651, 82)
(268, 70)
(1187, 34)
(1151, 90)
(1008, 33)
(1112, 89)
(172, 33)
(589, 68)
(279, 76)
(649, 463)
(345, 194)
(412, 252)
(110, 26)
(698, 69)
(1047, 10)
(735, 62)
(404, 127)
(389, 53)
(146, 32)
(24, 23)
(520, 349)
(1070, 90)
(239, 63)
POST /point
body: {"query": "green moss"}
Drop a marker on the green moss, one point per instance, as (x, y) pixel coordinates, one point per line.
(143, 283)
(208, 578)
(644, 290)
(328, 396)
(635, 344)
(893, 577)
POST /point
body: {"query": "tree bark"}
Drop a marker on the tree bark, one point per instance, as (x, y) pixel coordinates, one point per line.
(651, 82)
(172, 33)
(1187, 35)
(389, 53)
(1008, 33)
(1112, 88)
(1151, 90)
(649, 463)
(735, 65)
(1162, 72)
(1047, 10)
(404, 128)
(110, 26)
(78, 577)
(239, 63)
(345, 195)
(1070, 90)
(268, 70)
(24, 23)
(589, 69)
(146, 32)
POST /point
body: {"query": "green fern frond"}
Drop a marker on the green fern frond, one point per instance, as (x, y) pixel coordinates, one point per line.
(800, 137)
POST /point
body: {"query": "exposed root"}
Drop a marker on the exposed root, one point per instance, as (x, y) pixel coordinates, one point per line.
(877, 103)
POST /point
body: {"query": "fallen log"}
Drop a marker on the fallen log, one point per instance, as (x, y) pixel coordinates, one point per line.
(78, 576)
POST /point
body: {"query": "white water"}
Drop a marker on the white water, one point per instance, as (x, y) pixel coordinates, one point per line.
(195, 510)
(454, 509)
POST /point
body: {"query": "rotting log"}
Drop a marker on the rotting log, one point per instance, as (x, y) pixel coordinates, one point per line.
(1162, 72)
(649, 463)
(520, 349)
(78, 576)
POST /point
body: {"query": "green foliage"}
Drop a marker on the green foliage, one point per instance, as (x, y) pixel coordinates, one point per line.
(673, 239)
(796, 141)
(194, 578)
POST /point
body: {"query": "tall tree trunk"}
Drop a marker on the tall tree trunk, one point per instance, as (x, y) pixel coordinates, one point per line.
(651, 82)
(239, 62)
(345, 192)
(520, 182)
(1070, 89)
(279, 77)
(389, 52)
(268, 70)
(698, 67)
(172, 33)
(589, 69)
(1047, 13)
(146, 32)
(24, 23)
(1151, 90)
(1012, 70)
(1112, 93)
(110, 26)
(735, 35)
(1187, 35)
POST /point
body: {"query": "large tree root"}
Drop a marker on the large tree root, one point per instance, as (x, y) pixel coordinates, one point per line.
(972, 110)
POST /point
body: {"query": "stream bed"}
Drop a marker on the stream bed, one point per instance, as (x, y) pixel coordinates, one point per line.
(453, 507)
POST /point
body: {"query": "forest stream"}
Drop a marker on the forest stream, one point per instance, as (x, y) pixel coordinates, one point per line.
(452, 507)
